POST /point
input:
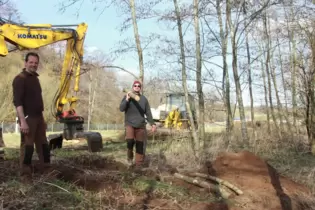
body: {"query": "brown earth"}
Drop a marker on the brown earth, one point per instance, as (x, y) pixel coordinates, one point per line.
(263, 187)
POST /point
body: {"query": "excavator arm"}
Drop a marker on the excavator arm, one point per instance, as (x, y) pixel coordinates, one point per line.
(34, 36)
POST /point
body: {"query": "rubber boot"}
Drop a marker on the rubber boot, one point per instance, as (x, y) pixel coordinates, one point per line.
(130, 157)
(26, 167)
(46, 155)
(130, 145)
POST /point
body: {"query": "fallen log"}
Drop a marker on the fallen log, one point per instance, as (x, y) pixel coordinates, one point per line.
(216, 189)
(219, 181)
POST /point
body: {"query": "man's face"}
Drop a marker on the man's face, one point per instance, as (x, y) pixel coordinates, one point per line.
(31, 64)
(137, 87)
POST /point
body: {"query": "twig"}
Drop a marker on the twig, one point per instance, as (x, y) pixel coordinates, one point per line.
(219, 190)
(220, 181)
(51, 184)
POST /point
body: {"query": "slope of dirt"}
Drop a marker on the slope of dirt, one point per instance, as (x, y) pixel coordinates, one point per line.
(263, 187)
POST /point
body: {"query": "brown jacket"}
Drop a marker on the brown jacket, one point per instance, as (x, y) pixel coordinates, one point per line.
(27, 92)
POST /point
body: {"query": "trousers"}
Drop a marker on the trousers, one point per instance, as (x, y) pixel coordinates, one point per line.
(136, 137)
(37, 136)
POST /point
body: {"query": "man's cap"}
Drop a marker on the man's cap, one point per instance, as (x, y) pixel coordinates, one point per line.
(136, 82)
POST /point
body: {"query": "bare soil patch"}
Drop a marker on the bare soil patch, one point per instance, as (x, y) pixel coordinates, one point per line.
(263, 186)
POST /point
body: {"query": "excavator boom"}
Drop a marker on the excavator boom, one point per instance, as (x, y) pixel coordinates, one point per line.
(34, 36)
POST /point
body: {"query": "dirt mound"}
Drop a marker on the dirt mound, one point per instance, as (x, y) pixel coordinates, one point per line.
(89, 181)
(91, 172)
(93, 161)
(263, 187)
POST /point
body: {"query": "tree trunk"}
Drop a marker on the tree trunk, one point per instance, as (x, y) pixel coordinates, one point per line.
(266, 96)
(225, 79)
(312, 142)
(288, 123)
(252, 112)
(236, 76)
(90, 101)
(292, 65)
(138, 43)
(92, 96)
(274, 81)
(195, 145)
(201, 123)
(293, 77)
(267, 62)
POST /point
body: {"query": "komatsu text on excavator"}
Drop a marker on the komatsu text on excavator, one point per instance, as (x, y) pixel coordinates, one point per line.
(33, 36)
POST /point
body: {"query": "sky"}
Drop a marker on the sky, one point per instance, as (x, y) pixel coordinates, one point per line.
(102, 31)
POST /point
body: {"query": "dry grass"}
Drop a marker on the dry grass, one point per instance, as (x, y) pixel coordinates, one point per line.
(118, 188)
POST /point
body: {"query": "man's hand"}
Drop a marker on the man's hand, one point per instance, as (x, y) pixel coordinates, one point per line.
(153, 129)
(127, 96)
(24, 127)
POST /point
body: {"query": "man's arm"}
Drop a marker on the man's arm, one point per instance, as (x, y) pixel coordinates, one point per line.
(18, 96)
(123, 105)
(148, 113)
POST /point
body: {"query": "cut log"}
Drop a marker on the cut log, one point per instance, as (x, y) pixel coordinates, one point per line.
(1, 139)
(216, 189)
(2, 145)
(219, 181)
(131, 94)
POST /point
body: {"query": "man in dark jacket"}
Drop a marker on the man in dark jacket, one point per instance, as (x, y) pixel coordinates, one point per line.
(135, 123)
(28, 101)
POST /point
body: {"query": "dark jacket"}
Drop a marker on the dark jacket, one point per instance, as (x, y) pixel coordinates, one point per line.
(27, 92)
(135, 112)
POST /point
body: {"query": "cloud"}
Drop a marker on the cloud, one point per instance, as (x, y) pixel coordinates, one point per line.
(91, 49)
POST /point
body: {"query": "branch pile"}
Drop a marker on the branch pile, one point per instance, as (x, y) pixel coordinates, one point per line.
(220, 187)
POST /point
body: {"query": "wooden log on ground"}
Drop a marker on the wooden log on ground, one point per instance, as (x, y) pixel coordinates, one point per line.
(1, 139)
(219, 181)
(2, 145)
(216, 189)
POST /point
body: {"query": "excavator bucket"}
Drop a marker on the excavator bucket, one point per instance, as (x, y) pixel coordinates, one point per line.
(74, 130)
(94, 140)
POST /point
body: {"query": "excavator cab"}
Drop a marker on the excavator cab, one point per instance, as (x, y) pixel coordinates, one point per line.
(172, 112)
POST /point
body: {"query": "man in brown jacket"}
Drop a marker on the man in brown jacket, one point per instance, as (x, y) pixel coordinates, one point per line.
(27, 98)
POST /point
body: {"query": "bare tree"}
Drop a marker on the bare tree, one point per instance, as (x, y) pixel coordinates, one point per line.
(233, 35)
(137, 40)
(195, 145)
(201, 107)
(226, 78)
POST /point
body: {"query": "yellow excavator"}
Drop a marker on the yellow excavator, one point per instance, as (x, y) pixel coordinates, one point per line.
(33, 36)
(172, 113)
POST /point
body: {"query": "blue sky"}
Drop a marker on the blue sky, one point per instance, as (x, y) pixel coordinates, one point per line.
(102, 29)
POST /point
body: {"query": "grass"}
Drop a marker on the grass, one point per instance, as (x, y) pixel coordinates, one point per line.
(64, 195)
(123, 189)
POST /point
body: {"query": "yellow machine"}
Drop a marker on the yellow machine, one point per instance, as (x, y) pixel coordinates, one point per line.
(172, 113)
(34, 36)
